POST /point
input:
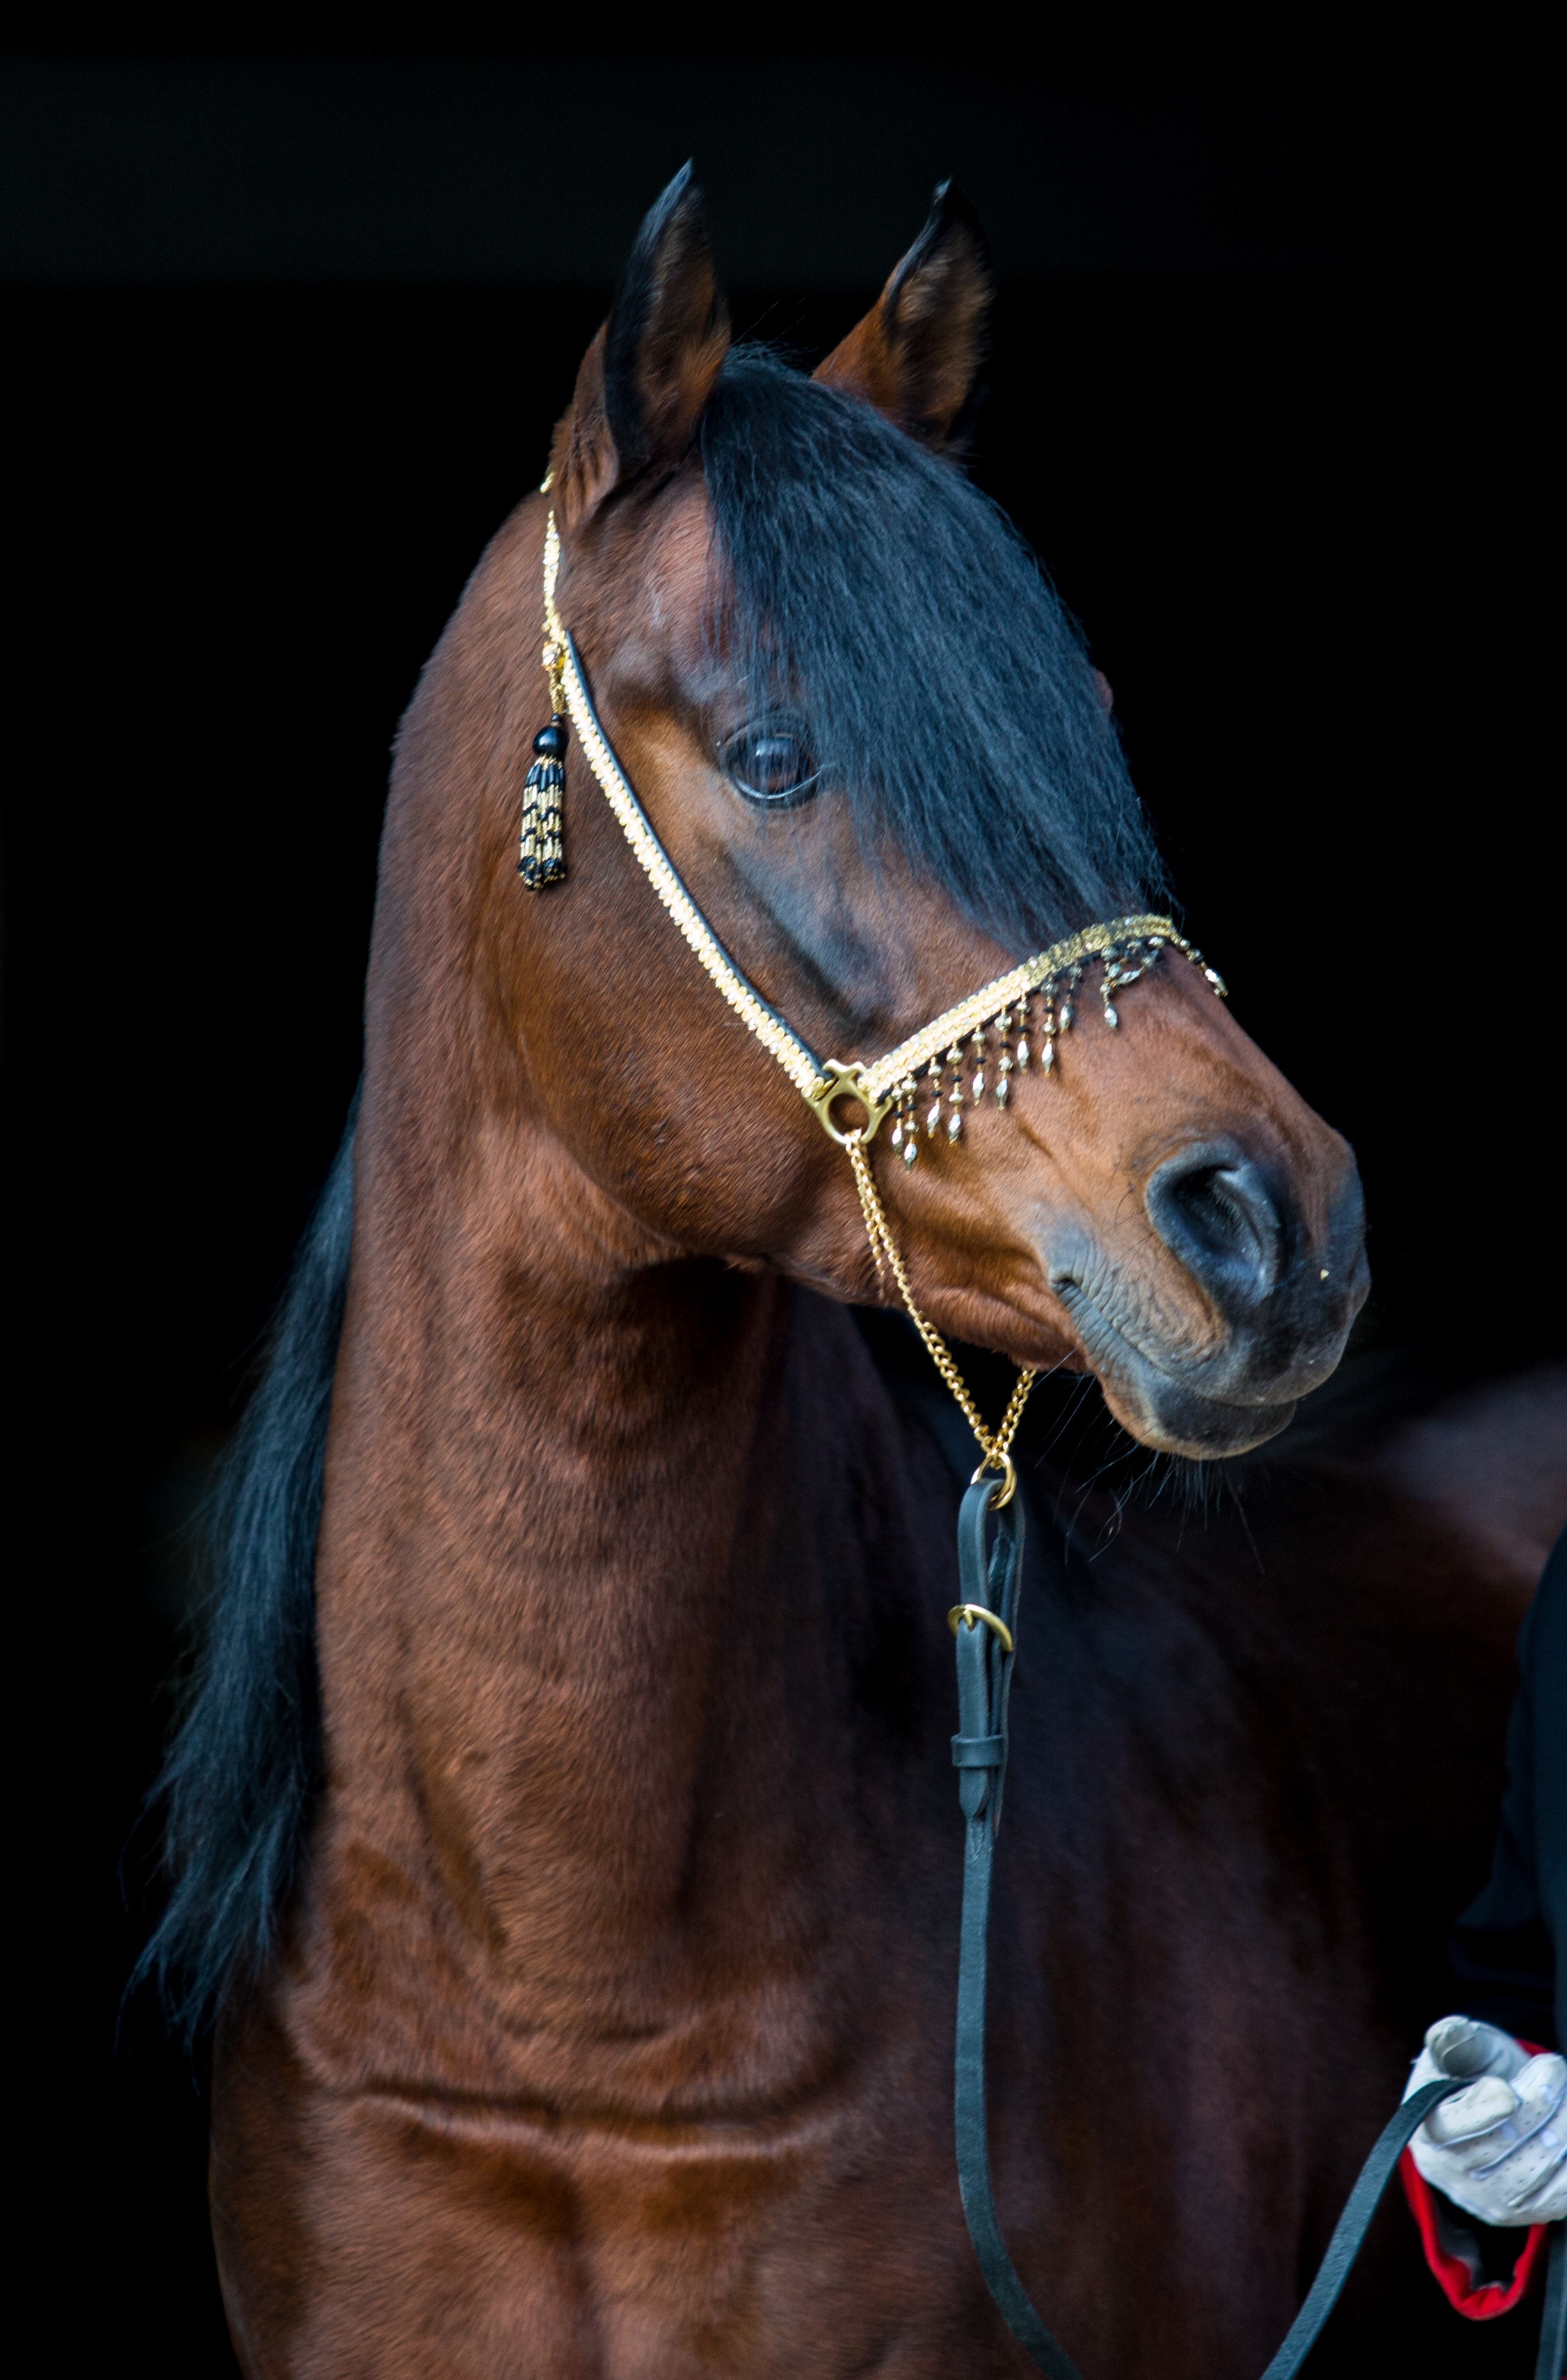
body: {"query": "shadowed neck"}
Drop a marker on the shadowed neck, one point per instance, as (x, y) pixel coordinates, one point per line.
(610, 1604)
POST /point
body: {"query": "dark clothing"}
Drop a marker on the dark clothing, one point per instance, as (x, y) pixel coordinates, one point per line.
(1509, 1949)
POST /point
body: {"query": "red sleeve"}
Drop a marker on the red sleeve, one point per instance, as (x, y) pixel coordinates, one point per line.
(1456, 2276)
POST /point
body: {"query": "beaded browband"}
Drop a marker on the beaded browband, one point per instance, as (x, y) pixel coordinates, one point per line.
(1026, 1011)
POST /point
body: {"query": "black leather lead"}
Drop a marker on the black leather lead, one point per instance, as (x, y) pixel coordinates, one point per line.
(989, 1583)
(1349, 2233)
(985, 1624)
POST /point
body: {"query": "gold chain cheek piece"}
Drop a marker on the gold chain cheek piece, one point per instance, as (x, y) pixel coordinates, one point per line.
(1036, 998)
(996, 1451)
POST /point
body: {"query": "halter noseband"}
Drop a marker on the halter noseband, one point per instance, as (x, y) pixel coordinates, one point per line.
(1127, 946)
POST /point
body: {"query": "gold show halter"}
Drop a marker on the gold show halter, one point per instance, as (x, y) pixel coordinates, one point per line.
(1126, 945)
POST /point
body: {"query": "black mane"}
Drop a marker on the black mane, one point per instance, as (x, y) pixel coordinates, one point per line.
(238, 1785)
(943, 683)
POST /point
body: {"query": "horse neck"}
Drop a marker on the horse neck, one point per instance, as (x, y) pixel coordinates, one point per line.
(597, 1591)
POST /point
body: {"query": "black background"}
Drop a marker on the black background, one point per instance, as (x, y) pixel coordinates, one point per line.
(287, 335)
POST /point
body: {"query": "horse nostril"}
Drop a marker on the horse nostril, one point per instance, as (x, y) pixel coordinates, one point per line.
(1214, 1210)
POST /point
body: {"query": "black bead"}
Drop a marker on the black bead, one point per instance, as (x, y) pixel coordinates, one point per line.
(550, 742)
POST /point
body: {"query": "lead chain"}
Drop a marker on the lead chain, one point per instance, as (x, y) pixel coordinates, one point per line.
(995, 1449)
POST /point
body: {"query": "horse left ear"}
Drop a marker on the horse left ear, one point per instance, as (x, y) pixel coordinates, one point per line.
(649, 373)
(919, 354)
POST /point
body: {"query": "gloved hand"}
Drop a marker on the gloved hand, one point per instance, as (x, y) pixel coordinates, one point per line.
(1500, 2148)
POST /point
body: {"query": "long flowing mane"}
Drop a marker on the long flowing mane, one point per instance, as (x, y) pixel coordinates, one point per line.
(236, 1788)
(945, 685)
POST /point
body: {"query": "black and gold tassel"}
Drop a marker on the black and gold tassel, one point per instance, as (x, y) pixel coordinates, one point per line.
(540, 855)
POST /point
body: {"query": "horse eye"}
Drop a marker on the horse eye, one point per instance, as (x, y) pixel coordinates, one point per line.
(771, 764)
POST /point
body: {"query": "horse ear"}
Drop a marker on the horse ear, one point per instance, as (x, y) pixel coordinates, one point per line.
(917, 354)
(650, 368)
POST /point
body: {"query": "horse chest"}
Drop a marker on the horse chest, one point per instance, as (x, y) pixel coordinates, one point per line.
(758, 2178)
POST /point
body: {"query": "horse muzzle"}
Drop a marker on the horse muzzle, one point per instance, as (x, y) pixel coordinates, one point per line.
(1272, 1303)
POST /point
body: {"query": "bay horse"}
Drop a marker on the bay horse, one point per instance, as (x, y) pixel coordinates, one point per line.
(564, 1831)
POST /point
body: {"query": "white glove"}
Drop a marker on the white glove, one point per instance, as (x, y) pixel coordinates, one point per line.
(1500, 2148)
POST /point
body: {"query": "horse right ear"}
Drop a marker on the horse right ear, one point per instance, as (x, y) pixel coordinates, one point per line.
(649, 373)
(918, 355)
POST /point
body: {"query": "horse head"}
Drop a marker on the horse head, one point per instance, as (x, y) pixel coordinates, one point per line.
(875, 748)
